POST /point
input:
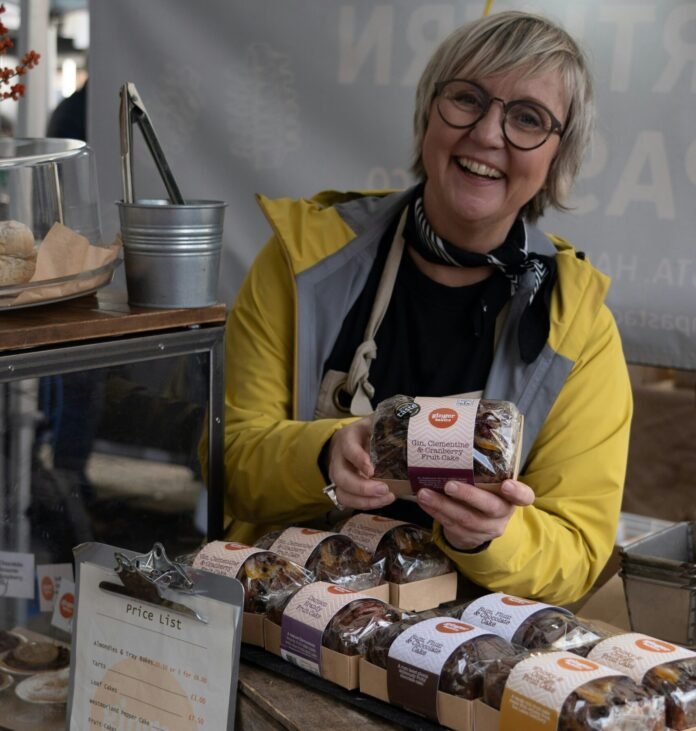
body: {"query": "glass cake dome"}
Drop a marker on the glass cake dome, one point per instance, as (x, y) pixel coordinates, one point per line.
(44, 181)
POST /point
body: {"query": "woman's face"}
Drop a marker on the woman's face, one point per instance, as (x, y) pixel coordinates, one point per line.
(476, 182)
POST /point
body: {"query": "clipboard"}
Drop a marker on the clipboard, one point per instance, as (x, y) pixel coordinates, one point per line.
(155, 644)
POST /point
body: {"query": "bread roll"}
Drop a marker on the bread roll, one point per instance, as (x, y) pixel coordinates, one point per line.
(15, 270)
(16, 239)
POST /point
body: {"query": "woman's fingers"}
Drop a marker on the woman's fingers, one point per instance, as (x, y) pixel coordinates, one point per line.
(517, 493)
(350, 468)
(471, 515)
(350, 444)
(372, 497)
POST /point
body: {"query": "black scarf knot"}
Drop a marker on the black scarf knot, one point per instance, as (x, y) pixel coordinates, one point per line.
(512, 258)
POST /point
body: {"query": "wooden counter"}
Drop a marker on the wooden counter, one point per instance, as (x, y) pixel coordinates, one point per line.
(275, 695)
(269, 702)
(106, 315)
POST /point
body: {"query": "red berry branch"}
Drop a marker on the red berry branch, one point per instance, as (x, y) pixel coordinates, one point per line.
(28, 61)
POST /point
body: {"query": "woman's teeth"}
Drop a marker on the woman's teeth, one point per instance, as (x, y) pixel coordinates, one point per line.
(479, 168)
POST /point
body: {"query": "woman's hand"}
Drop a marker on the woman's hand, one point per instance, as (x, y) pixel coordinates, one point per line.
(350, 468)
(470, 515)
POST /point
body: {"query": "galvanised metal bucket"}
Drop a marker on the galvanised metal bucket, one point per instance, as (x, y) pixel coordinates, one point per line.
(171, 252)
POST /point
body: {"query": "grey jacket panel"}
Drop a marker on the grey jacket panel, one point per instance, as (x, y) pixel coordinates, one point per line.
(533, 387)
(327, 291)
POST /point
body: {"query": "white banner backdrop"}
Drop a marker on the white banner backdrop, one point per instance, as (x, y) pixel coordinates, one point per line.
(287, 98)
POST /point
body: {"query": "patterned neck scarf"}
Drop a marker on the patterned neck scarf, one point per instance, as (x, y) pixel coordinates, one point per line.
(512, 258)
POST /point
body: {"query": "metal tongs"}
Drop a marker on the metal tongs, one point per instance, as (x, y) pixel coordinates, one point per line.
(133, 110)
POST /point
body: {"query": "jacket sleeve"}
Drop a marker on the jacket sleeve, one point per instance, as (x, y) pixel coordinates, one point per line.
(555, 549)
(271, 460)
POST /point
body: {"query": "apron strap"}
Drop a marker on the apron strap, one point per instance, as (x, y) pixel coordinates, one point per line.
(357, 382)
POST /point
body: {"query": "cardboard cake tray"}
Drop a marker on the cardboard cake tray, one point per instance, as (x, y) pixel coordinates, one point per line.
(418, 596)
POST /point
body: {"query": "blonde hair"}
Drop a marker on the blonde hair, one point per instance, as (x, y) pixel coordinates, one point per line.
(497, 44)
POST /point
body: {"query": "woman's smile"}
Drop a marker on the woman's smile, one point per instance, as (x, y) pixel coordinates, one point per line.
(478, 169)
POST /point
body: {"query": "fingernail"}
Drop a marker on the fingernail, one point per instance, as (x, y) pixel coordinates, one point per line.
(451, 488)
(508, 487)
(381, 490)
(425, 496)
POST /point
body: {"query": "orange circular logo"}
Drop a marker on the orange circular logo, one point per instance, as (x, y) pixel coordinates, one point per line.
(579, 664)
(652, 645)
(453, 627)
(443, 418)
(235, 546)
(48, 588)
(67, 605)
(310, 532)
(333, 589)
(516, 601)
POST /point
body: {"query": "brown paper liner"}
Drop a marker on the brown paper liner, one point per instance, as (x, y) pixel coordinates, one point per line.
(64, 253)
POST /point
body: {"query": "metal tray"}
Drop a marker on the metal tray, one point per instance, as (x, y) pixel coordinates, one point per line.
(671, 549)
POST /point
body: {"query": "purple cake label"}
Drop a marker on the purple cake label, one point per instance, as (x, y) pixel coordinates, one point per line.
(306, 617)
(440, 442)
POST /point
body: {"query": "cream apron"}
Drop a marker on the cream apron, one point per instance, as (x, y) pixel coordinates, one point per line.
(355, 384)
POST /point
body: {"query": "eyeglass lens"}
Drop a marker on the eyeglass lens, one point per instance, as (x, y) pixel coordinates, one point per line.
(525, 124)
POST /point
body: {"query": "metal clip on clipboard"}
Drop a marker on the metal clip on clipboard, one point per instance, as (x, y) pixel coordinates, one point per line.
(152, 577)
(133, 110)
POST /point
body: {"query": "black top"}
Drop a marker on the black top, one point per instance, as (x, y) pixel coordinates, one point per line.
(434, 340)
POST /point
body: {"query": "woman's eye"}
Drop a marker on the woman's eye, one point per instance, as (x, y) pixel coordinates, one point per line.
(528, 117)
(467, 99)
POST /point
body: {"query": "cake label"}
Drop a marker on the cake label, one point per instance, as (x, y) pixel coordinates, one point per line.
(440, 442)
(634, 654)
(368, 530)
(224, 557)
(502, 614)
(538, 687)
(416, 658)
(306, 617)
(297, 544)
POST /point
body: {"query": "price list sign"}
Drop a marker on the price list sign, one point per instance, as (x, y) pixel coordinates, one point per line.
(142, 665)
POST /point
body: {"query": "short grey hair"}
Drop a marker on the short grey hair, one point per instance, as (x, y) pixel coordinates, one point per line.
(499, 43)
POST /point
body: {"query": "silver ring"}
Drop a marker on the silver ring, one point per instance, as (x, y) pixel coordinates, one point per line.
(330, 490)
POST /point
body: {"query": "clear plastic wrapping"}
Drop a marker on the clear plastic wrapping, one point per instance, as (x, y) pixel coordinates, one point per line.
(351, 627)
(462, 673)
(497, 433)
(613, 703)
(410, 555)
(554, 629)
(339, 560)
(676, 681)
(269, 582)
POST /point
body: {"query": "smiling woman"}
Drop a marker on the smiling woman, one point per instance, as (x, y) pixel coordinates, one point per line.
(444, 288)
